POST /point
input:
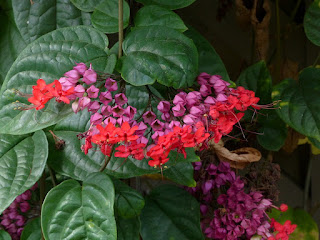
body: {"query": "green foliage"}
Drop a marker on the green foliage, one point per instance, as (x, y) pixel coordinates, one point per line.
(181, 173)
(300, 102)
(49, 57)
(312, 22)
(105, 16)
(32, 231)
(128, 229)
(159, 54)
(4, 235)
(86, 5)
(153, 15)
(22, 161)
(169, 4)
(173, 209)
(80, 212)
(209, 60)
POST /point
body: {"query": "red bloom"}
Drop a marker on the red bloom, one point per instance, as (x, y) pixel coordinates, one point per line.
(283, 207)
(125, 133)
(134, 149)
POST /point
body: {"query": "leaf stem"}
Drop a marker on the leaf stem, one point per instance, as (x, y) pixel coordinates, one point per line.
(107, 160)
(278, 53)
(52, 176)
(120, 23)
(295, 10)
(316, 61)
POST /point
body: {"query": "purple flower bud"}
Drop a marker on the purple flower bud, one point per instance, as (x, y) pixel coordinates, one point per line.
(142, 139)
(224, 167)
(189, 119)
(89, 76)
(164, 106)
(141, 128)
(65, 83)
(111, 85)
(157, 125)
(94, 106)
(178, 110)
(197, 165)
(120, 99)
(20, 221)
(203, 78)
(166, 117)
(207, 186)
(24, 207)
(203, 209)
(214, 78)
(96, 118)
(130, 112)
(222, 199)
(93, 92)
(264, 204)
(193, 98)
(105, 97)
(212, 169)
(221, 97)
(110, 120)
(79, 90)
(73, 76)
(180, 98)
(220, 86)
(197, 110)
(106, 110)
(75, 106)
(156, 135)
(205, 90)
(26, 195)
(80, 68)
(149, 117)
(5, 222)
(117, 111)
(174, 124)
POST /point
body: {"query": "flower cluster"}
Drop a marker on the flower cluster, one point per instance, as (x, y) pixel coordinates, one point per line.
(15, 216)
(283, 230)
(228, 210)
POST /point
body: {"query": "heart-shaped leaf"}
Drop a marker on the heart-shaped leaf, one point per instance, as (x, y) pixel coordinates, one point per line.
(300, 102)
(105, 16)
(22, 160)
(258, 79)
(4, 235)
(209, 60)
(128, 202)
(72, 211)
(86, 5)
(159, 54)
(312, 22)
(44, 16)
(169, 4)
(32, 231)
(153, 15)
(181, 173)
(49, 57)
(176, 210)
(128, 229)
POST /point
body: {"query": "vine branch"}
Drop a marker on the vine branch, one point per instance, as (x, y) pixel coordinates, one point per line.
(120, 23)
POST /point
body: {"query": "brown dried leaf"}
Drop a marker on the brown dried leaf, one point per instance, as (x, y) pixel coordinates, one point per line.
(292, 140)
(238, 158)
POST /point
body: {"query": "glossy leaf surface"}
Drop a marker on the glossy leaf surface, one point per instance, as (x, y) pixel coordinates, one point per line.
(32, 231)
(312, 22)
(169, 4)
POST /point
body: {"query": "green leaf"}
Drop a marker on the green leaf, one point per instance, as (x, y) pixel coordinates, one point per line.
(153, 15)
(105, 16)
(300, 102)
(258, 79)
(170, 213)
(209, 60)
(312, 23)
(30, 18)
(49, 57)
(32, 231)
(314, 142)
(86, 5)
(169, 4)
(4, 235)
(274, 131)
(159, 54)
(22, 161)
(307, 228)
(11, 44)
(181, 173)
(128, 229)
(72, 211)
(128, 202)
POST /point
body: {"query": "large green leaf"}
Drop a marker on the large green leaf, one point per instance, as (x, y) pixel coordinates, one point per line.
(170, 213)
(44, 16)
(32, 231)
(169, 4)
(209, 60)
(128, 202)
(22, 160)
(11, 44)
(49, 57)
(159, 54)
(181, 173)
(307, 228)
(86, 5)
(300, 102)
(158, 16)
(106, 16)
(273, 131)
(4, 235)
(312, 22)
(258, 79)
(72, 211)
(128, 229)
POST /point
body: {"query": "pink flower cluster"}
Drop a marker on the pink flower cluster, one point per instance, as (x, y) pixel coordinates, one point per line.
(15, 216)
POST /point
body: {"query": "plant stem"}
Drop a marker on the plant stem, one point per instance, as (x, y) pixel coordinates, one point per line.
(52, 176)
(316, 61)
(120, 23)
(107, 160)
(294, 12)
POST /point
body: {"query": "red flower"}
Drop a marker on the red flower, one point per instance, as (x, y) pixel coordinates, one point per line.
(134, 149)
(125, 133)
